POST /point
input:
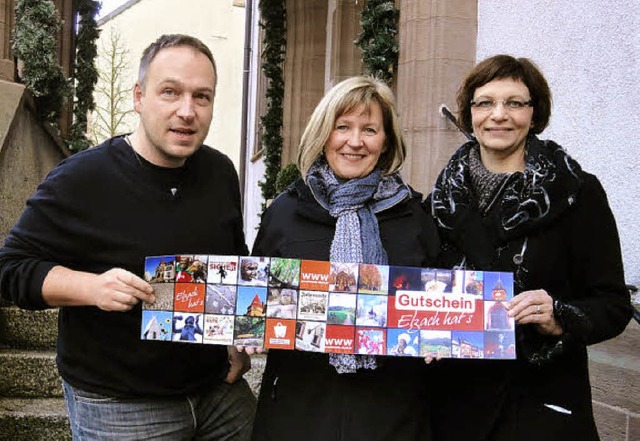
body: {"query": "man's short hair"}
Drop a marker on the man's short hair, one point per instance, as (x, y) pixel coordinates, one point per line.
(173, 40)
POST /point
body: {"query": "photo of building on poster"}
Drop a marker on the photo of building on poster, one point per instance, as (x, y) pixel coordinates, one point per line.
(310, 335)
(331, 307)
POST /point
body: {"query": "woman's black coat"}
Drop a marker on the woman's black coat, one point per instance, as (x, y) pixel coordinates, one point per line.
(574, 254)
(296, 226)
(302, 397)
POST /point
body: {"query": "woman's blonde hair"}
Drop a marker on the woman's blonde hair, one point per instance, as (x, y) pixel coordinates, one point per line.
(343, 98)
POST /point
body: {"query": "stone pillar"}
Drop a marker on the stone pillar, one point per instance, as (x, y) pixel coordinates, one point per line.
(304, 70)
(344, 58)
(7, 66)
(320, 53)
(66, 56)
(437, 48)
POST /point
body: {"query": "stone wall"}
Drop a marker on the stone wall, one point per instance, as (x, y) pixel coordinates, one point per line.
(28, 151)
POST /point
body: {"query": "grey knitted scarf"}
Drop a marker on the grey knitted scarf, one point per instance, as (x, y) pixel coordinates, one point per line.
(357, 237)
(483, 181)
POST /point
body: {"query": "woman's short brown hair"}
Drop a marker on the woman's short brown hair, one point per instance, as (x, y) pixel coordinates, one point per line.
(500, 67)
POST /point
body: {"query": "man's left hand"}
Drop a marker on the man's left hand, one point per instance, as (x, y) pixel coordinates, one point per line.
(239, 363)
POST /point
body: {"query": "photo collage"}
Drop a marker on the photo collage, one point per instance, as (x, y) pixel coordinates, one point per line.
(331, 307)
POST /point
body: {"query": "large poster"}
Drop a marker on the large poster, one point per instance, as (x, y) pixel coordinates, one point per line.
(332, 307)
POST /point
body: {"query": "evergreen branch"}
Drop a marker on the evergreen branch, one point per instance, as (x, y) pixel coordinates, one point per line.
(273, 21)
(37, 24)
(378, 39)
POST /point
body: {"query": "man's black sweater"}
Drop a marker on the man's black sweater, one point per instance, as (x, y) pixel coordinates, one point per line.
(107, 207)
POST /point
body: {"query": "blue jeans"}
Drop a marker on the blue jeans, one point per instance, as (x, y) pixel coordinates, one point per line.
(223, 413)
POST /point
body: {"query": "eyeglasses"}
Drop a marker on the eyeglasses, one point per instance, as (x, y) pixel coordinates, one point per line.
(487, 105)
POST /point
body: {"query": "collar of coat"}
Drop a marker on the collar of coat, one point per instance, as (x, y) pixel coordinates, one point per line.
(527, 200)
(309, 208)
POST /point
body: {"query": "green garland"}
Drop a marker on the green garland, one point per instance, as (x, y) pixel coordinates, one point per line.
(286, 176)
(34, 43)
(378, 40)
(273, 21)
(86, 74)
(379, 46)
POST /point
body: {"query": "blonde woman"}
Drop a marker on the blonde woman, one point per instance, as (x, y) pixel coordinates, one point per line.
(351, 205)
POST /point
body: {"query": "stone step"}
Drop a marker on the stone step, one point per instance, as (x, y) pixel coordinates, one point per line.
(28, 329)
(614, 368)
(33, 419)
(254, 376)
(29, 374)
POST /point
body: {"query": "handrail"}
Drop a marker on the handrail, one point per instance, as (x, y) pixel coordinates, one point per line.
(636, 314)
(450, 116)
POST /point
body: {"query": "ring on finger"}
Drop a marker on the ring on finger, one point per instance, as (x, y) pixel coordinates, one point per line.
(537, 309)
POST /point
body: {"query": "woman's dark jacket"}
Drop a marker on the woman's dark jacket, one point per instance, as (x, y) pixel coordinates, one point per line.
(553, 228)
(302, 397)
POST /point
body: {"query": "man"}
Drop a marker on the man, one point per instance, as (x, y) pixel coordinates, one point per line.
(80, 245)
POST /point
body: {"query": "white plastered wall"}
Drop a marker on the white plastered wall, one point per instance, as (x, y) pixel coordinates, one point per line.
(589, 51)
(220, 25)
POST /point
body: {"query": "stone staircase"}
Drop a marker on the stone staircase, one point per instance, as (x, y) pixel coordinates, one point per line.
(32, 407)
(31, 403)
(31, 399)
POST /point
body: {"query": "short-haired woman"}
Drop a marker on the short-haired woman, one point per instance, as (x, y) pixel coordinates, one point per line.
(508, 201)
